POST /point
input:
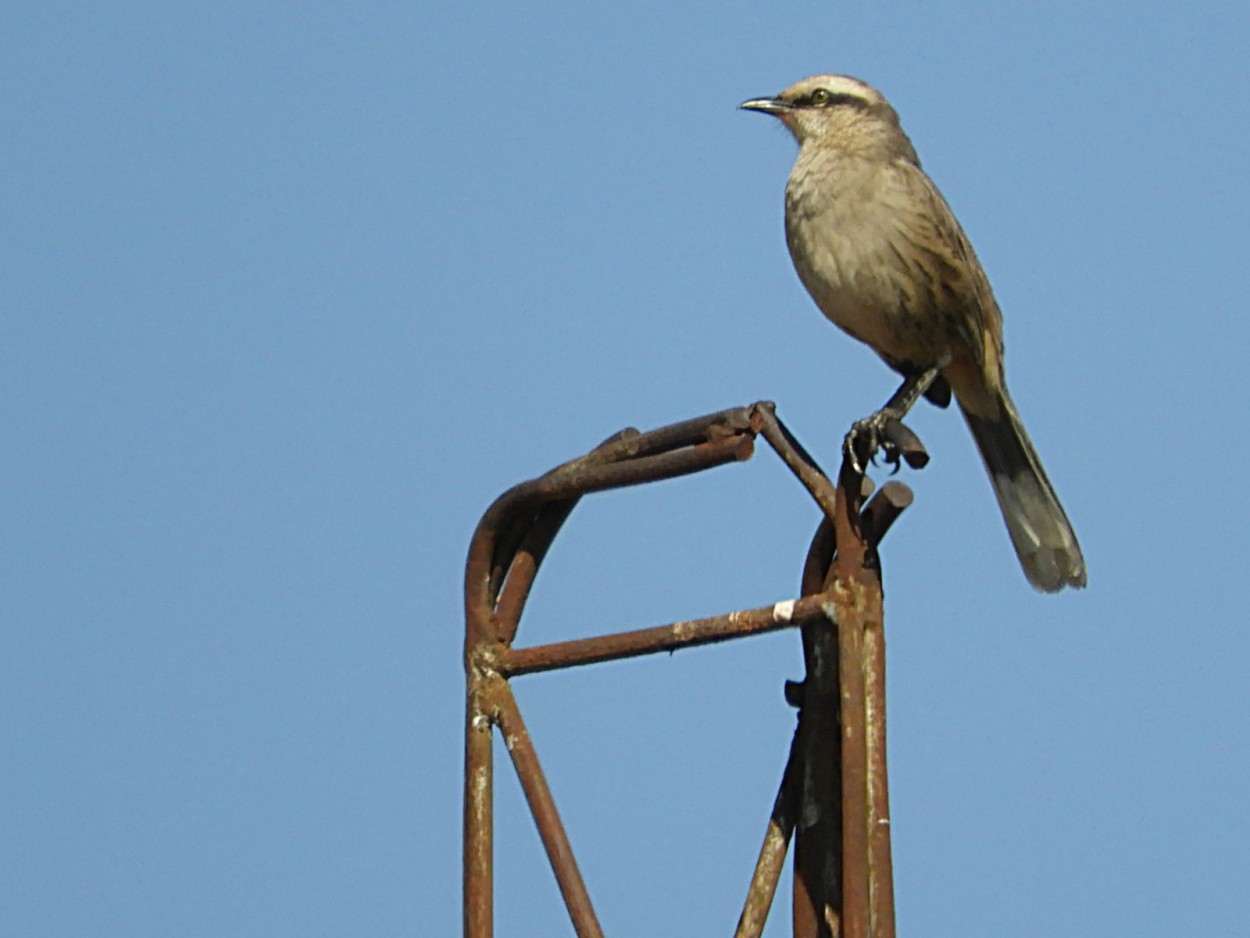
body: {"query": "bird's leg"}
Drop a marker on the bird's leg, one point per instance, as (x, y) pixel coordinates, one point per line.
(884, 430)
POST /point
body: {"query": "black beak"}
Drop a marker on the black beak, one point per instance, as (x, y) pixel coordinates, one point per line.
(772, 106)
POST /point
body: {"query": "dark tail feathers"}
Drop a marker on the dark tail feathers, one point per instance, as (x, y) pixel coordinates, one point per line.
(1039, 529)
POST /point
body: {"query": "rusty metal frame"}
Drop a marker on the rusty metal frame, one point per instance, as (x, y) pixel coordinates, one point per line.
(835, 778)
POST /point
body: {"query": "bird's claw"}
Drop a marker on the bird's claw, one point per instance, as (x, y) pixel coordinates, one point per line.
(870, 435)
(886, 432)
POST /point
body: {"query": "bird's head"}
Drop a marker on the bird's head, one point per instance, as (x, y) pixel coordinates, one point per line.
(838, 112)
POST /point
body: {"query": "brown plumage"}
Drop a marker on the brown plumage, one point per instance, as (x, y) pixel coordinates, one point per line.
(884, 258)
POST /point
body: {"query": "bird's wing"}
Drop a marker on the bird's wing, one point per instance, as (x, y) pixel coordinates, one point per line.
(957, 282)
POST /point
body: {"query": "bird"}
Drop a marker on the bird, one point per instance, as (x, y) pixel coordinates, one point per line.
(881, 254)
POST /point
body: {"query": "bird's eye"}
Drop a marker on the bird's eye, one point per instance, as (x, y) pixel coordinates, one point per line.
(820, 97)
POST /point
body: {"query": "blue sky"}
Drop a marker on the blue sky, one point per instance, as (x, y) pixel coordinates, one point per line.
(290, 294)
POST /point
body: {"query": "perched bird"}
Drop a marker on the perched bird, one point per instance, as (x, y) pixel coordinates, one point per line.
(882, 255)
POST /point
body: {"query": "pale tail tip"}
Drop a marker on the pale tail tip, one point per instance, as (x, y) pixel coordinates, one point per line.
(1052, 570)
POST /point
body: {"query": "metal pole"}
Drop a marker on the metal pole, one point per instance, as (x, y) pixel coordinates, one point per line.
(833, 796)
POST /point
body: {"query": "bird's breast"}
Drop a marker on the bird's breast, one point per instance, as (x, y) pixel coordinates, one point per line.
(845, 248)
